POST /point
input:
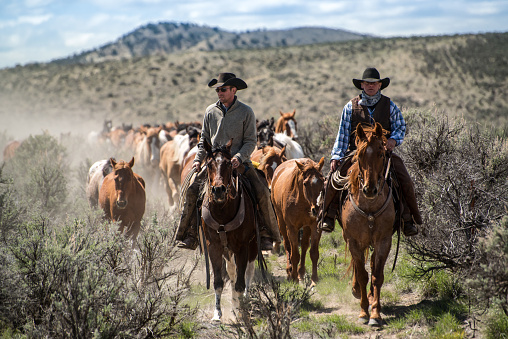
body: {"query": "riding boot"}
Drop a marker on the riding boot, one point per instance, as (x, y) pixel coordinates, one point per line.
(411, 214)
(186, 235)
(267, 214)
(326, 216)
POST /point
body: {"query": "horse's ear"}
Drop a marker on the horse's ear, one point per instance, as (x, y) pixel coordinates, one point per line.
(301, 166)
(207, 146)
(131, 163)
(272, 122)
(112, 162)
(321, 163)
(293, 114)
(282, 114)
(228, 145)
(283, 151)
(360, 133)
(379, 130)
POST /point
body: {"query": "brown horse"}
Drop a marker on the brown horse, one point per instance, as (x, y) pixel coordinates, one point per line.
(287, 124)
(296, 187)
(367, 218)
(229, 225)
(269, 158)
(122, 197)
(10, 149)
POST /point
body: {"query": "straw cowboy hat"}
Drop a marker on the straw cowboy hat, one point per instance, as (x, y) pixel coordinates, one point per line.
(227, 79)
(371, 75)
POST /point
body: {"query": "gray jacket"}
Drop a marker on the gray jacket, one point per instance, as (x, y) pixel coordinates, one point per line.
(238, 123)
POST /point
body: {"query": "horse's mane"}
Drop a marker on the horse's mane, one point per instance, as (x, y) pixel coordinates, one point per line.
(222, 149)
(354, 170)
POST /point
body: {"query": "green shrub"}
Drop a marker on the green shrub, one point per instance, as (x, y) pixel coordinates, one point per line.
(39, 168)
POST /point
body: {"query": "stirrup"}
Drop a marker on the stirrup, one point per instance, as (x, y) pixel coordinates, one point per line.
(410, 229)
(328, 225)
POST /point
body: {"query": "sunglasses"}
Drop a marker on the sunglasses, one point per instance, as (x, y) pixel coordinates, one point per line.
(221, 89)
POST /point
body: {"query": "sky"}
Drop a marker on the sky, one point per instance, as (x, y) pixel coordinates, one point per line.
(43, 30)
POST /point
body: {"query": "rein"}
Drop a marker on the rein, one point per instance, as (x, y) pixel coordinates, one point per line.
(342, 183)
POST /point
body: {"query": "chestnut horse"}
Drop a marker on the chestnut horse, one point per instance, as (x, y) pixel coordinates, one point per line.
(296, 186)
(122, 197)
(268, 158)
(287, 124)
(367, 218)
(229, 223)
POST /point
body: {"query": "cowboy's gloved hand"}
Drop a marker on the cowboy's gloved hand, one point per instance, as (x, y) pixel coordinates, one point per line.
(334, 165)
(235, 162)
(390, 145)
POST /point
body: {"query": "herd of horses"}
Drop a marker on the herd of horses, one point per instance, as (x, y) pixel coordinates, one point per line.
(228, 212)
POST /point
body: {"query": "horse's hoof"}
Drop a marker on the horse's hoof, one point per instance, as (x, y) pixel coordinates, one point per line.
(375, 322)
(363, 320)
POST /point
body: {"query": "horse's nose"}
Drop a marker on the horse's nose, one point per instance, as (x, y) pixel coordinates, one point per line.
(121, 204)
(370, 191)
(219, 190)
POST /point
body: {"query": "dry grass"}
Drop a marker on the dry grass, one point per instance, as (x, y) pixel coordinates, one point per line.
(463, 75)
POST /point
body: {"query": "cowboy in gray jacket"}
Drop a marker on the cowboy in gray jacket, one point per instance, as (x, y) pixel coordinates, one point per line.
(228, 119)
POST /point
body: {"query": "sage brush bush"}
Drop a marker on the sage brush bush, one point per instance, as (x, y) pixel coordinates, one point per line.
(39, 169)
(460, 172)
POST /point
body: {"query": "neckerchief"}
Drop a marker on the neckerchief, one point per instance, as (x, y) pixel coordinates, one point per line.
(368, 100)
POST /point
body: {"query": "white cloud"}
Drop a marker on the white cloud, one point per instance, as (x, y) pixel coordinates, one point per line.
(77, 40)
(34, 19)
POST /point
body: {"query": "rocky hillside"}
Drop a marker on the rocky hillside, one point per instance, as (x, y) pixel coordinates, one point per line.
(461, 75)
(170, 37)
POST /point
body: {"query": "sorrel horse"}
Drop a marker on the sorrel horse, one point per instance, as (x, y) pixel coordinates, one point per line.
(229, 226)
(269, 158)
(296, 187)
(367, 219)
(122, 197)
(287, 124)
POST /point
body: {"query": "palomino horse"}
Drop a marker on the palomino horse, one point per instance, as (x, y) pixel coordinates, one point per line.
(269, 158)
(367, 218)
(122, 197)
(296, 187)
(96, 174)
(287, 124)
(229, 226)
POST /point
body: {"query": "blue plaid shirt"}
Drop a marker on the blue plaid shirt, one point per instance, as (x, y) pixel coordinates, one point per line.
(397, 125)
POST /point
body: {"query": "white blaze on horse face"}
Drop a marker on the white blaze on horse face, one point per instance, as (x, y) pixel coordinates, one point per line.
(274, 166)
(293, 129)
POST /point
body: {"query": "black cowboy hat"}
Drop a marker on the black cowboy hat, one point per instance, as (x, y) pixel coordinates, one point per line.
(371, 75)
(227, 79)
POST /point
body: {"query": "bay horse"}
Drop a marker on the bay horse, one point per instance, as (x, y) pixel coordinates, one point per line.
(296, 186)
(122, 197)
(367, 218)
(229, 223)
(287, 124)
